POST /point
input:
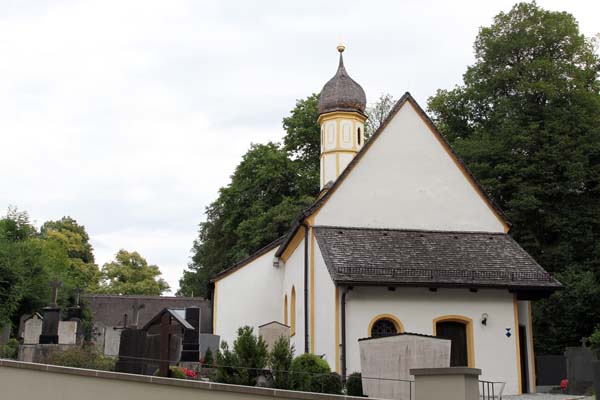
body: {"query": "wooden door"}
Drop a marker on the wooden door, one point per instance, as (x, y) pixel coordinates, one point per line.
(457, 333)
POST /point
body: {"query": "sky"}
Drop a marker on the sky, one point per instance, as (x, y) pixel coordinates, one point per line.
(130, 115)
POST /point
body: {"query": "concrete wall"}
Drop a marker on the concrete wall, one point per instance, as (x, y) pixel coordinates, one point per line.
(37, 381)
(494, 353)
(407, 180)
(252, 296)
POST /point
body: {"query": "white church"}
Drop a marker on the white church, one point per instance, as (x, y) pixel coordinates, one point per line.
(401, 239)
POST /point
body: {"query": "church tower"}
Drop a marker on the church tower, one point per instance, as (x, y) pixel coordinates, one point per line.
(342, 119)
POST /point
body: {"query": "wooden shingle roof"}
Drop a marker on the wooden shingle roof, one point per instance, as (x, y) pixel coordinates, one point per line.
(429, 258)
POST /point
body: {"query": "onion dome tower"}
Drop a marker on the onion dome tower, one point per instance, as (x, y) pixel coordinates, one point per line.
(342, 119)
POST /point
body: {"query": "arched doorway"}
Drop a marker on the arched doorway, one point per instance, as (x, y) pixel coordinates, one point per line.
(459, 331)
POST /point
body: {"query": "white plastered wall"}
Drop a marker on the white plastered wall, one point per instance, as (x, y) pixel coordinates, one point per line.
(252, 296)
(324, 331)
(406, 180)
(416, 308)
(294, 276)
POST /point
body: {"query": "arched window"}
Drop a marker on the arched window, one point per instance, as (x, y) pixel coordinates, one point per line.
(293, 312)
(459, 330)
(385, 325)
(285, 310)
(358, 137)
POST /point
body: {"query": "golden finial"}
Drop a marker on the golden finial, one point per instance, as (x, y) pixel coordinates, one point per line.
(341, 48)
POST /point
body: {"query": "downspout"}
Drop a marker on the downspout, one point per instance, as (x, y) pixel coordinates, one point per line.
(343, 355)
(306, 305)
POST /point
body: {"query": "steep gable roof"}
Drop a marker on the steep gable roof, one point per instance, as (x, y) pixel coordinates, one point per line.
(404, 100)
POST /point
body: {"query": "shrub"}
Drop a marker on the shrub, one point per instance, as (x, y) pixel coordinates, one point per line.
(245, 362)
(10, 349)
(175, 372)
(280, 362)
(354, 385)
(82, 357)
(595, 340)
(208, 360)
(310, 373)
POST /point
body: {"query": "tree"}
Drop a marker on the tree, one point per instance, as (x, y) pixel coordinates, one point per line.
(527, 123)
(73, 237)
(130, 274)
(303, 141)
(257, 207)
(27, 265)
(377, 113)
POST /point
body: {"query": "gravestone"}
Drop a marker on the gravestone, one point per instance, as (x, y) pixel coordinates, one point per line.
(209, 341)
(272, 331)
(132, 352)
(67, 332)
(191, 337)
(392, 358)
(50, 326)
(51, 318)
(112, 339)
(32, 329)
(579, 369)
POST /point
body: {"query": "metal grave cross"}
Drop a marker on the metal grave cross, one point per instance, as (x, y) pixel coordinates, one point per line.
(55, 285)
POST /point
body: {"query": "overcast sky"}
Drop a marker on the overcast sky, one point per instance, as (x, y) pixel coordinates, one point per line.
(129, 115)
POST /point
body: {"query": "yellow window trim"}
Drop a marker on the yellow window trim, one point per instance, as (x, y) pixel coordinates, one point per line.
(397, 323)
(285, 310)
(337, 329)
(532, 355)
(469, 327)
(516, 307)
(293, 312)
(215, 292)
(312, 290)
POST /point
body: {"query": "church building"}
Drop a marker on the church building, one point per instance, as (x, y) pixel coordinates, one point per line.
(402, 238)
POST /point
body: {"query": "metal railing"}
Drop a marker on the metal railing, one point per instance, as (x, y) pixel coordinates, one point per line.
(491, 390)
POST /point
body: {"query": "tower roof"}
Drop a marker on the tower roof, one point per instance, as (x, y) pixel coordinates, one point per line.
(342, 93)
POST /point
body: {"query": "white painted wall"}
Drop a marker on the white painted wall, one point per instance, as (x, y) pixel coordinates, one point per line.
(294, 276)
(406, 180)
(252, 296)
(324, 310)
(416, 308)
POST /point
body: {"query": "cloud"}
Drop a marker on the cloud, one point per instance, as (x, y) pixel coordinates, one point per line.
(129, 116)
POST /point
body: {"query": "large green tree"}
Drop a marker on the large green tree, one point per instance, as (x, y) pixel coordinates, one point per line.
(27, 265)
(527, 123)
(75, 240)
(130, 274)
(265, 194)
